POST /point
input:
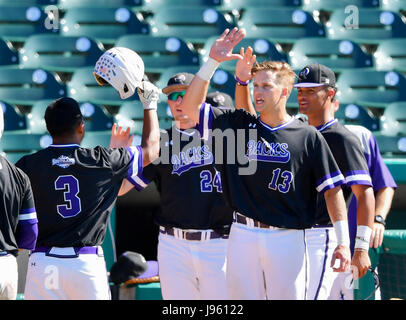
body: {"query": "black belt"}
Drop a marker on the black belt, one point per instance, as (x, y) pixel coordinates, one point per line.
(239, 218)
(192, 235)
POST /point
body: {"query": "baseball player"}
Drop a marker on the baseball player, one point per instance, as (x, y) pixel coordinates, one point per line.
(220, 100)
(75, 188)
(282, 166)
(18, 222)
(384, 187)
(316, 93)
(194, 221)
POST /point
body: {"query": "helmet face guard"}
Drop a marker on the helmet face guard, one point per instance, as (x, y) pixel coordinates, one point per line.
(122, 68)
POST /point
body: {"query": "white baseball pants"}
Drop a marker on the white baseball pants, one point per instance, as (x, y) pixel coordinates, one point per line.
(8, 277)
(81, 278)
(192, 270)
(321, 243)
(266, 263)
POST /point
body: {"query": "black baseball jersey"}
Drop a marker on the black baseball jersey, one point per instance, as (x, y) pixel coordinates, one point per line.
(18, 219)
(189, 186)
(277, 172)
(75, 190)
(348, 153)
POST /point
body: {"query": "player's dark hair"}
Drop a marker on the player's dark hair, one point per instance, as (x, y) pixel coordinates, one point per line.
(63, 116)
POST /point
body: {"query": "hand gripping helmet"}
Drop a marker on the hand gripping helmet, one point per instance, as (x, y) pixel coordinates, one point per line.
(122, 68)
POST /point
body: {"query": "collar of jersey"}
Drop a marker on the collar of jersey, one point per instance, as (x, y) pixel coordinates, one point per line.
(185, 132)
(64, 146)
(326, 125)
(283, 125)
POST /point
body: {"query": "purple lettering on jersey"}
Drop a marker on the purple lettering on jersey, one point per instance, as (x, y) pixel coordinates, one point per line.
(268, 152)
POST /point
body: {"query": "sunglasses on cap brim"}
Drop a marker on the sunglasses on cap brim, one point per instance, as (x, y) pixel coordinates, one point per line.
(173, 96)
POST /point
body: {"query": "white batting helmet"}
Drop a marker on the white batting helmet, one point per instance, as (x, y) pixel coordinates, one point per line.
(122, 68)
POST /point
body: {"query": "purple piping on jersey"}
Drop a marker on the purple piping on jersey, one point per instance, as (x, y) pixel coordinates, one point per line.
(27, 233)
(136, 185)
(64, 146)
(331, 185)
(278, 127)
(325, 126)
(324, 266)
(28, 210)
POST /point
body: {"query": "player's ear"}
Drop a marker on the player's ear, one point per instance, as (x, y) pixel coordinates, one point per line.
(81, 128)
(285, 92)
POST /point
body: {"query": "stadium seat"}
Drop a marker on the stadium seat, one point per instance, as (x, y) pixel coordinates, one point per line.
(30, 2)
(35, 117)
(101, 23)
(67, 4)
(192, 24)
(282, 25)
(263, 49)
(8, 56)
(393, 120)
(353, 114)
(83, 87)
(21, 142)
(131, 115)
(96, 117)
(331, 5)
(393, 5)
(96, 138)
(26, 86)
(390, 146)
(159, 53)
(244, 4)
(20, 22)
(56, 53)
(366, 26)
(336, 54)
(13, 118)
(370, 88)
(154, 5)
(391, 55)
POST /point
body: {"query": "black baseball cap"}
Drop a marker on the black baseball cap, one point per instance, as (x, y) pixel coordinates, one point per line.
(128, 266)
(178, 82)
(316, 75)
(220, 100)
(62, 115)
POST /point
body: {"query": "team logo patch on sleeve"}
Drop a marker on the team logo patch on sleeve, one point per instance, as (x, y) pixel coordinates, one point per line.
(63, 162)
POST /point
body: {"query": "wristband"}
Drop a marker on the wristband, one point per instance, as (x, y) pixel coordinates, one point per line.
(207, 69)
(342, 232)
(240, 82)
(363, 237)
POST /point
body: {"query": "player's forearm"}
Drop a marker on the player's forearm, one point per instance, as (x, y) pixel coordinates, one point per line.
(365, 205)
(125, 187)
(194, 97)
(383, 201)
(150, 137)
(336, 206)
(243, 99)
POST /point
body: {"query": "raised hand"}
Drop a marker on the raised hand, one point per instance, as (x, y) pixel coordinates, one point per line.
(119, 137)
(222, 48)
(243, 66)
(149, 95)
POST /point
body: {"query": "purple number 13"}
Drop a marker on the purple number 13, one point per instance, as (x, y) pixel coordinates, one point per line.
(70, 186)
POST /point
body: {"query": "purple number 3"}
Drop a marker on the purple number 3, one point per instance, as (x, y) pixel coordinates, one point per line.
(70, 186)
